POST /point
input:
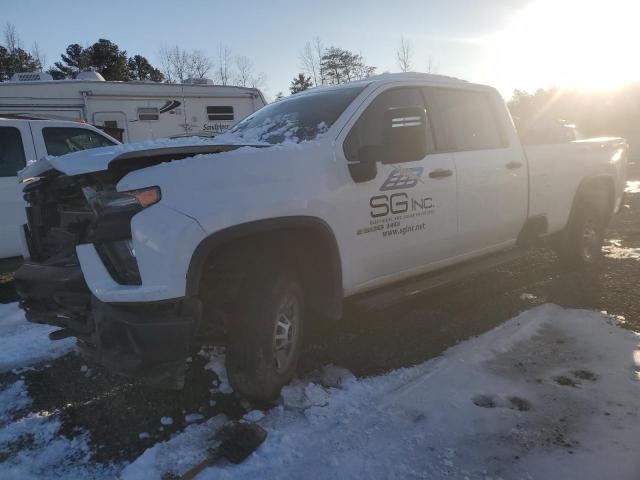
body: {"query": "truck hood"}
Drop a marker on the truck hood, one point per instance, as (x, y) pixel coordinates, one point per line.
(100, 159)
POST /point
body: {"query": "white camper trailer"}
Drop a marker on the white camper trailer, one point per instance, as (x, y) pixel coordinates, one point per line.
(130, 111)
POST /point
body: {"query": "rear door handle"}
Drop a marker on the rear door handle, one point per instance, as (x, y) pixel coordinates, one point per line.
(440, 173)
(514, 165)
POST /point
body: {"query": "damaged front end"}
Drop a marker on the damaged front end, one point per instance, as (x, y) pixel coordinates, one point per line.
(148, 340)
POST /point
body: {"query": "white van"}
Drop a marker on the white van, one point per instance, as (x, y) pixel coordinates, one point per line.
(23, 141)
(131, 111)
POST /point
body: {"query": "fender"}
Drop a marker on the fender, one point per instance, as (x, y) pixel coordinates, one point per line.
(582, 188)
(334, 300)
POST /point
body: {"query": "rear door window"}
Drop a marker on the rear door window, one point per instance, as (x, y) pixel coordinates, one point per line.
(465, 121)
(12, 157)
(63, 140)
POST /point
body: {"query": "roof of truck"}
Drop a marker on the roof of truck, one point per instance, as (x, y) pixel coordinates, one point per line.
(396, 77)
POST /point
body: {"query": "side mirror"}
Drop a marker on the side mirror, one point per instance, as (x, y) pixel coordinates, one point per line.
(365, 168)
(404, 135)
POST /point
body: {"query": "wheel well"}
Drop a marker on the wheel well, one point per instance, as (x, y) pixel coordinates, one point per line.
(598, 192)
(222, 261)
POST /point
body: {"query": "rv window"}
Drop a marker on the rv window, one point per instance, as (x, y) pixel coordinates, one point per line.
(220, 113)
(11, 152)
(63, 140)
(147, 114)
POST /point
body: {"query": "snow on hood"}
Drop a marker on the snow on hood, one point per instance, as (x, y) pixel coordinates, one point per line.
(98, 159)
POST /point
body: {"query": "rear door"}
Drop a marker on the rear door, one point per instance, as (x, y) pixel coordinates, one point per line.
(16, 148)
(492, 180)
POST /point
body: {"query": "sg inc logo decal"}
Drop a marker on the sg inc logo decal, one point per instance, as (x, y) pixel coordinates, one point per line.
(401, 178)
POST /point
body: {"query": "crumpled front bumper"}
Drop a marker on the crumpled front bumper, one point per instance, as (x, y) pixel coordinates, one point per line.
(147, 340)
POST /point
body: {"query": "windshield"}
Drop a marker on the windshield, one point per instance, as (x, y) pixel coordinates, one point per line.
(294, 120)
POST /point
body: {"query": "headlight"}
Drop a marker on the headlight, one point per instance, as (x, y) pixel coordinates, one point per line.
(111, 233)
(107, 201)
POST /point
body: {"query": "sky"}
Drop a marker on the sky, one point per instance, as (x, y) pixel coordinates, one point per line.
(525, 44)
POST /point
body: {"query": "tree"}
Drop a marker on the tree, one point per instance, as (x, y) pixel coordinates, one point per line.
(279, 96)
(223, 71)
(139, 68)
(311, 61)
(300, 83)
(104, 56)
(340, 66)
(245, 75)
(179, 64)
(404, 55)
(432, 67)
(200, 64)
(13, 58)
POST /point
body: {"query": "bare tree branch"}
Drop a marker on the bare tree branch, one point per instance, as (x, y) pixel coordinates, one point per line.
(404, 55)
(224, 65)
(178, 65)
(200, 64)
(37, 54)
(244, 71)
(432, 67)
(11, 38)
(311, 61)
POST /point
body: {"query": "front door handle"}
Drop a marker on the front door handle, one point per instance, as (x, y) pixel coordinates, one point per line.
(514, 165)
(440, 173)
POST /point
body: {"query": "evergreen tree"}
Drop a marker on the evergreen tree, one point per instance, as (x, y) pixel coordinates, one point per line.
(300, 83)
(140, 69)
(16, 61)
(340, 66)
(106, 58)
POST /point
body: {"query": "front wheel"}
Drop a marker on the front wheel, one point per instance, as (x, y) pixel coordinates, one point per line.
(267, 338)
(582, 246)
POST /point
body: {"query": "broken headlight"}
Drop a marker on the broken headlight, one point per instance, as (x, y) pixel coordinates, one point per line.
(104, 202)
(112, 231)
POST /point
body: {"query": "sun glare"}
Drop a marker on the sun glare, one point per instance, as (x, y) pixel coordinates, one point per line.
(589, 44)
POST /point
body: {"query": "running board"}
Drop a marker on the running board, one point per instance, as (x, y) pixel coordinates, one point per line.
(386, 297)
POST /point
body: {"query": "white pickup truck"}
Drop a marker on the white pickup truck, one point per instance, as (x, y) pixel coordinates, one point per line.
(22, 141)
(142, 252)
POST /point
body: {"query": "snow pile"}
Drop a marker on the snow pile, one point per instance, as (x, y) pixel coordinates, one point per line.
(176, 455)
(552, 393)
(617, 251)
(24, 343)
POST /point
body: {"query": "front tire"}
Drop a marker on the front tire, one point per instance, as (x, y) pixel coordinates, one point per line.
(266, 339)
(582, 246)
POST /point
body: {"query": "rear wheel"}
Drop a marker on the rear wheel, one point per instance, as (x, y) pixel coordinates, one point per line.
(582, 246)
(266, 338)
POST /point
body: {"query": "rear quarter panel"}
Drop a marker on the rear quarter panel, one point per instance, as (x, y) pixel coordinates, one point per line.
(557, 171)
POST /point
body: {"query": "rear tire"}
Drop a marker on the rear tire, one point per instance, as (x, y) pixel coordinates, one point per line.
(582, 245)
(266, 338)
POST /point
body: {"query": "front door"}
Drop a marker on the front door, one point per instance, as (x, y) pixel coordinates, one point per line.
(406, 215)
(15, 150)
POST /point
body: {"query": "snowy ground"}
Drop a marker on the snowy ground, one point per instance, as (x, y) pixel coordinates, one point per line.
(552, 393)
(23, 343)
